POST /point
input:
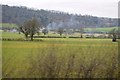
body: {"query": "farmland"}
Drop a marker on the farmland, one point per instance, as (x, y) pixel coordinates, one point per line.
(14, 26)
(59, 58)
(8, 26)
(38, 43)
(100, 29)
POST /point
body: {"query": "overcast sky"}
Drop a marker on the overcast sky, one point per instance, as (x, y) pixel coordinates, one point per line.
(100, 8)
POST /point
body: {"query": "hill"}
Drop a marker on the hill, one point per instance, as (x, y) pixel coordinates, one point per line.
(54, 19)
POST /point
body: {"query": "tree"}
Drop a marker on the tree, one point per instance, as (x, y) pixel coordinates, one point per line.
(81, 32)
(118, 32)
(20, 14)
(30, 27)
(45, 31)
(25, 29)
(113, 32)
(60, 31)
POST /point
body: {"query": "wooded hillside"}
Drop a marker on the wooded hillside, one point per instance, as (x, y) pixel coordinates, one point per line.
(54, 19)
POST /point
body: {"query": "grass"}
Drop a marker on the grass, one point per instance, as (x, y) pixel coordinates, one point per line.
(8, 25)
(60, 58)
(12, 35)
(101, 29)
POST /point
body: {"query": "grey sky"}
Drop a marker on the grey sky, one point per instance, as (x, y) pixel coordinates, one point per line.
(101, 8)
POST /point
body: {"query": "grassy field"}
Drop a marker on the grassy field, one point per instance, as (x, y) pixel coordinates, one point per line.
(8, 25)
(60, 58)
(100, 29)
(11, 35)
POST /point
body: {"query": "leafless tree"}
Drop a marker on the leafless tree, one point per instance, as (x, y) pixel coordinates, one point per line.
(81, 32)
(113, 32)
(60, 31)
(30, 27)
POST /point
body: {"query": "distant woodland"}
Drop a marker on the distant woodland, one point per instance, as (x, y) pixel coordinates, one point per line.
(54, 19)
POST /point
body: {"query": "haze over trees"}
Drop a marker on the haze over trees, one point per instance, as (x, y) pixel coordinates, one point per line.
(45, 31)
(54, 19)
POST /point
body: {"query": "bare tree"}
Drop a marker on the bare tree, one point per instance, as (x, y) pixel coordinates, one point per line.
(60, 31)
(114, 34)
(25, 29)
(45, 31)
(81, 32)
(30, 27)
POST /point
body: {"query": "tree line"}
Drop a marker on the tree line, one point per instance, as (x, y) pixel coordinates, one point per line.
(32, 26)
(54, 19)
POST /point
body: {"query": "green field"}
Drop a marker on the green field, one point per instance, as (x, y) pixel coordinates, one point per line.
(11, 35)
(8, 25)
(100, 29)
(59, 58)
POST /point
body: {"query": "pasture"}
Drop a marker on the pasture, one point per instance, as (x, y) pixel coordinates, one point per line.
(100, 29)
(60, 58)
